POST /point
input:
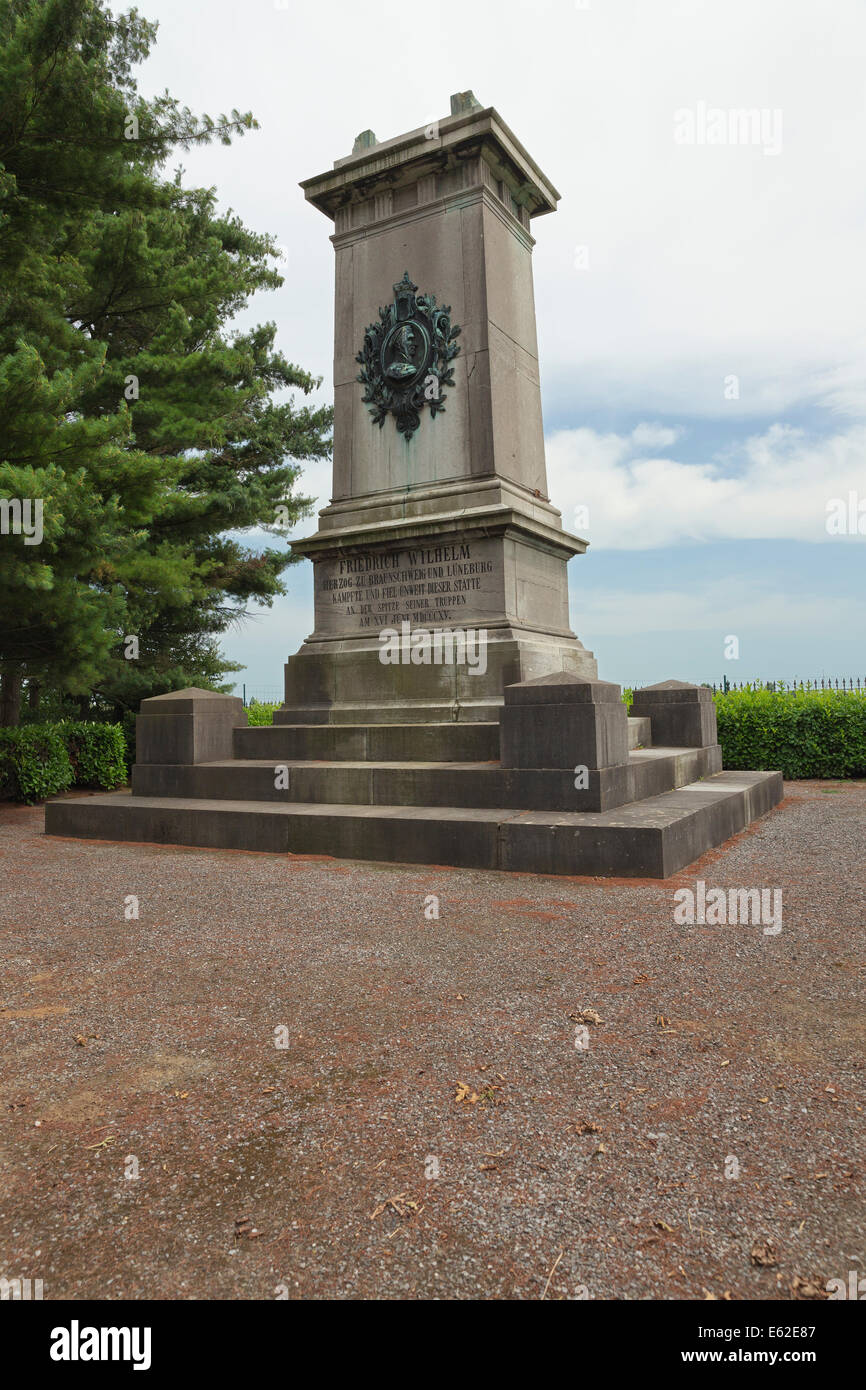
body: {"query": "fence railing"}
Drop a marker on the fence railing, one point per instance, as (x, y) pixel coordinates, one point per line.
(262, 694)
(850, 684)
(855, 685)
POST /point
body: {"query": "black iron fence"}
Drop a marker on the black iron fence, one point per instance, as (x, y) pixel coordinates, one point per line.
(850, 684)
(855, 685)
(260, 694)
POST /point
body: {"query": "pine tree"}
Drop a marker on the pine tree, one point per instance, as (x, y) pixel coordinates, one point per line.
(147, 428)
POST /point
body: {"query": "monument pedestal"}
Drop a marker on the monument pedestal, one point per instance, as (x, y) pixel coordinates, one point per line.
(497, 574)
(440, 516)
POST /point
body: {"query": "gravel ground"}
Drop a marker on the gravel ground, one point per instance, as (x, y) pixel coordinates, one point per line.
(428, 1126)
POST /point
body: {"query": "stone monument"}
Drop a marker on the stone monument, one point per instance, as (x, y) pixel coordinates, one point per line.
(439, 516)
(441, 710)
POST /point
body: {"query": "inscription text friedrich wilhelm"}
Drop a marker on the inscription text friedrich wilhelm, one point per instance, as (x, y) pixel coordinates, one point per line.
(424, 584)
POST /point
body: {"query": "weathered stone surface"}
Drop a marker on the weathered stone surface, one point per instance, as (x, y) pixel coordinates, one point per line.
(563, 688)
(681, 715)
(346, 681)
(386, 742)
(565, 722)
(368, 781)
(639, 733)
(423, 583)
(187, 726)
(653, 838)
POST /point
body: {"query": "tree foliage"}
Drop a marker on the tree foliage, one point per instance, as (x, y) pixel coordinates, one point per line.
(154, 434)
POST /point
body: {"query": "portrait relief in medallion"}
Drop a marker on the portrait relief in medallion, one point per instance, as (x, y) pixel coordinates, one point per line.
(406, 358)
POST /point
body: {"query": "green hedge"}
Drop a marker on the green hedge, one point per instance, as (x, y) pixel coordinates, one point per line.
(811, 733)
(97, 753)
(260, 714)
(34, 762)
(41, 760)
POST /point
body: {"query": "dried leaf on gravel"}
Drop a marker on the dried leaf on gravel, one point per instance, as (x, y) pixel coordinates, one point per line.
(586, 1016)
(402, 1204)
(811, 1287)
(490, 1095)
(763, 1253)
(464, 1095)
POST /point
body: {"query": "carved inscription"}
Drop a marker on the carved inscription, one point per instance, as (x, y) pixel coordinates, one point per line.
(422, 585)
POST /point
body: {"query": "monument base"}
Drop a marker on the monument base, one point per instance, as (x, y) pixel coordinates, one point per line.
(494, 573)
(345, 681)
(652, 839)
(589, 793)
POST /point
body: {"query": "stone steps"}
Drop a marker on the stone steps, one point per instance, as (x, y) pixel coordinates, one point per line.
(376, 742)
(438, 793)
(447, 711)
(651, 838)
(365, 782)
(639, 733)
(437, 742)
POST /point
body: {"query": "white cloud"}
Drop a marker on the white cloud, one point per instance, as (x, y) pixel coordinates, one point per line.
(776, 485)
(735, 605)
(652, 436)
(703, 260)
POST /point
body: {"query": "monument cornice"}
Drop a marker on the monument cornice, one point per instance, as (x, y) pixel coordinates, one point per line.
(478, 521)
(462, 197)
(398, 161)
(450, 493)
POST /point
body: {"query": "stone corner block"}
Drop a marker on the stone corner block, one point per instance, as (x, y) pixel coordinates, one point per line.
(187, 726)
(563, 721)
(681, 715)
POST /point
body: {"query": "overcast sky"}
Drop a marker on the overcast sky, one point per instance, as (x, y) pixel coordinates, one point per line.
(700, 296)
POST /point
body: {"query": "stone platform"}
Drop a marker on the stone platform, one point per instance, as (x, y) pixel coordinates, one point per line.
(650, 839)
(447, 793)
